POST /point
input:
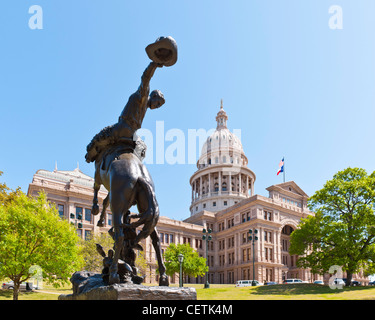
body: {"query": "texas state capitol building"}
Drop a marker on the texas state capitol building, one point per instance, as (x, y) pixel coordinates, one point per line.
(222, 199)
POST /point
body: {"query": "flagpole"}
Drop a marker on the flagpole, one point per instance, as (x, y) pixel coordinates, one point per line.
(284, 170)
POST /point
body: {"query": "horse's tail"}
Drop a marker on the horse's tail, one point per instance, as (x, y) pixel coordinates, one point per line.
(151, 215)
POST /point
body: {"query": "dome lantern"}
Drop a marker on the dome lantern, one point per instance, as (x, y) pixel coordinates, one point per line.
(221, 118)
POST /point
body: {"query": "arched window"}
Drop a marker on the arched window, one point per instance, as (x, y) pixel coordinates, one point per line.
(224, 186)
(287, 230)
(216, 187)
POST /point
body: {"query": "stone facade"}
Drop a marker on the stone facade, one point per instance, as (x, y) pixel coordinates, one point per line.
(72, 192)
(231, 253)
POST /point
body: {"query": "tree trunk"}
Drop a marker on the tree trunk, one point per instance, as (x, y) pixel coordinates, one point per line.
(16, 289)
(349, 277)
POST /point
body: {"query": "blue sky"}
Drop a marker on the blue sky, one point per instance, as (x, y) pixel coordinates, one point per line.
(293, 86)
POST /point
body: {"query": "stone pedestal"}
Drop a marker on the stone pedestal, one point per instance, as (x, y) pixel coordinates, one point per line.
(88, 286)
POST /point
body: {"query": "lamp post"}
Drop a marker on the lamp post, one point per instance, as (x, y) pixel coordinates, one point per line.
(78, 216)
(253, 238)
(207, 238)
(180, 258)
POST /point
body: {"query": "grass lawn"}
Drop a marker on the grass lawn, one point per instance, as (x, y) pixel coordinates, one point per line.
(284, 292)
(230, 292)
(47, 293)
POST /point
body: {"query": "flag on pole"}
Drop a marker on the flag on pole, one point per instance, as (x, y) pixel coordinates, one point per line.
(281, 167)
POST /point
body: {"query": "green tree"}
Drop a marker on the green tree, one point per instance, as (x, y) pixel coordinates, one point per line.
(6, 195)
(141, 263)
(193, 265)
(33, 234)
(93, 261)
(3, 189)
(342, 232)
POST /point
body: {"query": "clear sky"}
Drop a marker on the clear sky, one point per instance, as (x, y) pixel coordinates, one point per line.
(294, 86)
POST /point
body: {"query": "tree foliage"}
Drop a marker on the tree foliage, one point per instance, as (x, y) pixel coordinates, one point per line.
(6, 194)
(193, 265)
(141, 263)
(33, 234)
(93, 261)
(3, 190)
(342, 232)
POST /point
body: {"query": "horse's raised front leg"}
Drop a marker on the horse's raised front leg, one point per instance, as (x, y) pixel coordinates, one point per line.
(163, 280)
(97, 183)
(95, 206)
(103, 214)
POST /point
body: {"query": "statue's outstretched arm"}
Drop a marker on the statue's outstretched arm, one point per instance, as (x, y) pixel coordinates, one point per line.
(146, 77)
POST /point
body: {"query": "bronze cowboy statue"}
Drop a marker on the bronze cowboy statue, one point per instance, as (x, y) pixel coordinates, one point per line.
(118, 154)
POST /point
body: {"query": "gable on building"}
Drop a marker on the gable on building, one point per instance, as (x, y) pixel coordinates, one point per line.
(288, 192)
(289, 186)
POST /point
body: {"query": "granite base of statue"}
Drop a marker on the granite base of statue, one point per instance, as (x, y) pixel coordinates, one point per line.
(91, 286)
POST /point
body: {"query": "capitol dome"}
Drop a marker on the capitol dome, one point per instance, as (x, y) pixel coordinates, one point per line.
(222, 178)
(222, 144)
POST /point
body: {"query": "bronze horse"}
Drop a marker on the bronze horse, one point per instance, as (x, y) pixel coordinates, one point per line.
(118, 155)
(129, 183)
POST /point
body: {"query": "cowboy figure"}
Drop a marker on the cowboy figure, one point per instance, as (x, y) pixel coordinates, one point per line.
(131, 117)
(162, 53)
